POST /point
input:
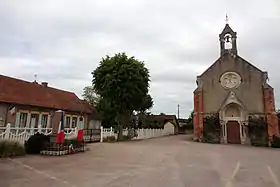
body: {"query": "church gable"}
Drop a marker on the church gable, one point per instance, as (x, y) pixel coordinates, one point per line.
(236, 59)
(229, 59)
(230, 72)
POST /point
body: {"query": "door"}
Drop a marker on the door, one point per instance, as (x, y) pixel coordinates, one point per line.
(233, 132)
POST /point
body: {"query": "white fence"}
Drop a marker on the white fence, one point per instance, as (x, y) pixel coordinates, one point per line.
(22, 134)
(141, 133)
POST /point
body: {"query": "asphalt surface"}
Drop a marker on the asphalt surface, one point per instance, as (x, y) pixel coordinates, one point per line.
(166, 162)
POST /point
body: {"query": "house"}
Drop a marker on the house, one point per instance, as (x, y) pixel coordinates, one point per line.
(170, 122)
(30, 104)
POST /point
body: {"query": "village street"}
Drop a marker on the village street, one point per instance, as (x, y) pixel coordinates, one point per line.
(162, 162)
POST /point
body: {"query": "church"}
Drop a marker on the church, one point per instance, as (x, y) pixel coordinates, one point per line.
(236, 90)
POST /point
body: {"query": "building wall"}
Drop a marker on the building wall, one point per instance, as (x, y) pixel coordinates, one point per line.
(3, 114)
(28, 111)
(270, 113)
(198, 114)
(249, 92)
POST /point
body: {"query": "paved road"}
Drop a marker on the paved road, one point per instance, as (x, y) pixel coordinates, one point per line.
(163, 162)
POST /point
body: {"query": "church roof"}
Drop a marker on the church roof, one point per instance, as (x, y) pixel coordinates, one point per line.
(227, 30)
(235, 56)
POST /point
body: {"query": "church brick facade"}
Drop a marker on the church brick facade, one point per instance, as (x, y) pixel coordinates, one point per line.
(236, 90)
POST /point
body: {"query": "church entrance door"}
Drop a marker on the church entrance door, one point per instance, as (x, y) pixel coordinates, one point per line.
(233, 132)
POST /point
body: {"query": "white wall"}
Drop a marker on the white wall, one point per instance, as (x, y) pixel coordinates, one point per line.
(169, 128)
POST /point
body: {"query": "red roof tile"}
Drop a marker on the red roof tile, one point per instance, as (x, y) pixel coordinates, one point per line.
(29, 93)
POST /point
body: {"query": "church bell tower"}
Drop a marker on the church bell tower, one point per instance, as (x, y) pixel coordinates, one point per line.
(228, 40)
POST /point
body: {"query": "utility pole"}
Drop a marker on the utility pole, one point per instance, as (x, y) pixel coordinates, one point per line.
(178, 111)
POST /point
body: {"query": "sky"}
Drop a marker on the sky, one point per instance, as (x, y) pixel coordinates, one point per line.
(62, 41)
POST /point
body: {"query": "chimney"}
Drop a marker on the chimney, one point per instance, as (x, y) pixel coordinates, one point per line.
(44, 84)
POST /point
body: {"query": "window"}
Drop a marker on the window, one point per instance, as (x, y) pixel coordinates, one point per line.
(74, 122)
(1, 122)
(22, 119)
(67, 122)
(34, 120)
(44, 121)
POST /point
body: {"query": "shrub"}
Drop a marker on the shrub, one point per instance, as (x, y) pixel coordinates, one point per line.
(126, 137)
(276, 142)
(258, 131)
(109, 139)
(211, 129)
(36, 143)
(10, 148)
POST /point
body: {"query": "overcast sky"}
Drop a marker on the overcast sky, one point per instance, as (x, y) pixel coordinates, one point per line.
(62, 41)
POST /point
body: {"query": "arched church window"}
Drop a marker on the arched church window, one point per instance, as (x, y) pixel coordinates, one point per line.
(232, 110)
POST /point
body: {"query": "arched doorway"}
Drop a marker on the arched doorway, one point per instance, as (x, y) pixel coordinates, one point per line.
(233, 114)
(233, 119)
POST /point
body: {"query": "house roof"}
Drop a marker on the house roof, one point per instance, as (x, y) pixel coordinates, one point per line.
(22, 92)
(166, 117)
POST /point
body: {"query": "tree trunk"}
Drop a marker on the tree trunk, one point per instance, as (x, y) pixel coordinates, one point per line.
(120, 132)
(120, 120)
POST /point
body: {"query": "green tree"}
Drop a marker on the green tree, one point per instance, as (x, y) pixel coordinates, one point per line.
(107, 112)
(90, 96)
(190, 119)
(123, 82)
(101, 105)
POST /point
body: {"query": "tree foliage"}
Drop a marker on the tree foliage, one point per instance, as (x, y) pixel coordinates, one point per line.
(107, 112)
(90, 96)
(123, 84)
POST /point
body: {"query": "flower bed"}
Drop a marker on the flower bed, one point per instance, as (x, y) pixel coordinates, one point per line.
(66, 148)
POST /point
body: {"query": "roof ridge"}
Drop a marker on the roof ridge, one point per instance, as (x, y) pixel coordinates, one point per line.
(18, 91)
(25, 81)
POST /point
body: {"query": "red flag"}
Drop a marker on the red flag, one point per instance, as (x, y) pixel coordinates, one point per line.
(80, 135)
(80, 131)
(13, 111)
(60, 133)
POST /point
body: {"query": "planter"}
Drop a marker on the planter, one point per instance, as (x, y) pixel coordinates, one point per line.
(59, 150)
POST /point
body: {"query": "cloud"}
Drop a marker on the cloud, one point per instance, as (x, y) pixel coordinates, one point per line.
(63, 41)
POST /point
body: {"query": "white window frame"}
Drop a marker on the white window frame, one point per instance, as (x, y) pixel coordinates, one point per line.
(22, 122)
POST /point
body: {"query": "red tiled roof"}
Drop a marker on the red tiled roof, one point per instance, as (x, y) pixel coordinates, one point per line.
(18, 91)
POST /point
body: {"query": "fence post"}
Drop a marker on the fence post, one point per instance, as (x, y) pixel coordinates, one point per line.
(141, 133)
(111, 131)
(76, 131)
(40, 123)
(7, 131)
(101, 134)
